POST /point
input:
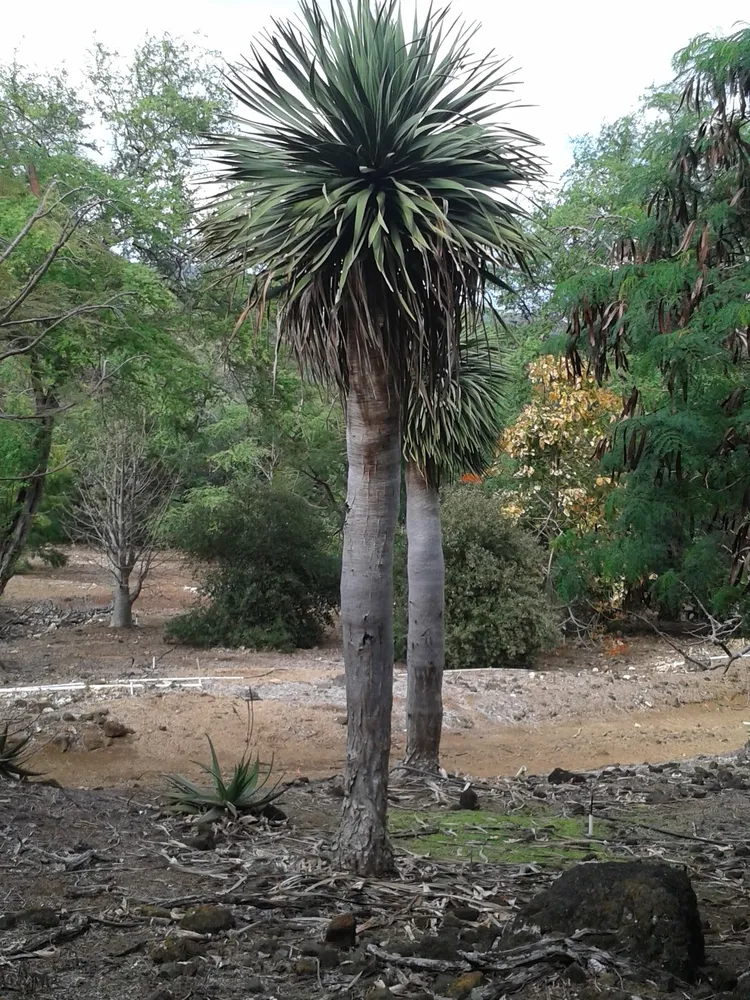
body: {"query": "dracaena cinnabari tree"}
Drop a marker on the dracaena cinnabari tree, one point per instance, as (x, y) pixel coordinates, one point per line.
(370, 182)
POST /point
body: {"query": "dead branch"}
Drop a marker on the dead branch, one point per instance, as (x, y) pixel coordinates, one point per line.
(715, 633)
(35, 942)
(552, 948)
(42, 210)
(688, 657)
(434, 965)
(621, 821)
(36, 475)
(66, 233)
(23, 345)
(54, 411)
(69, 219)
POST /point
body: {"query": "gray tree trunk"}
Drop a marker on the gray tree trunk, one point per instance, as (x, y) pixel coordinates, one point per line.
(122, 610)
(425, 656)
(374, 452)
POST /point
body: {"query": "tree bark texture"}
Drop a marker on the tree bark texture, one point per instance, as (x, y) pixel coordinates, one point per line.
(122, 608)
(425, 656)
(374, 454)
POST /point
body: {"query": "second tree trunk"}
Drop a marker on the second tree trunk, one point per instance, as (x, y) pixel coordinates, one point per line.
(425, 657)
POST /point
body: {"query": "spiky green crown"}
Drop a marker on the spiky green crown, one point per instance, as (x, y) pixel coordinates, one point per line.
(371, 184)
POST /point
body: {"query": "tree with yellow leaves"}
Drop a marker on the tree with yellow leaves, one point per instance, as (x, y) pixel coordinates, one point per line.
(556, 486)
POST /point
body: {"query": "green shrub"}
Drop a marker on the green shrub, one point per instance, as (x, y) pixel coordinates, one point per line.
(268, 567)
(245, 791)
(496, 611)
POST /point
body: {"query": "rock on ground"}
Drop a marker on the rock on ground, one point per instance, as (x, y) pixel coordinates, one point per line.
(651, 907)
(342, 930)
(208, 919)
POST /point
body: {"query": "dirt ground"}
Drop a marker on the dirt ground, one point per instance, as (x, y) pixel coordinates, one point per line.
(99, 889)
(581, 707)
(98, 882)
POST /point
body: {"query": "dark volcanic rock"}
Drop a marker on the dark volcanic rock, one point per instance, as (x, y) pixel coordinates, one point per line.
(575, 973)
(42, 916)
(326, 954)
(562, 777)
(441, 946)
(174, 970)
(204, 840)
(652, 907)
(208, 919)
(468, 799)
(177, 949)
(723, 980)
(480, 938)
(274, 814)
(306, 966)
(342, 931)
(658, 796)
(115, 729)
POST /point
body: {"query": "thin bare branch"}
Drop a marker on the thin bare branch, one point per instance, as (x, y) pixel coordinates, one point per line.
(704, 664)
(34, 279)
(123, 495)
(54, 322)
(36, 475)
(42, 414)
(42, 210)
(714, 632)
(39, 212)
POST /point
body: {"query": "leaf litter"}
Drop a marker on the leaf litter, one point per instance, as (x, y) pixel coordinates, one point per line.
(96, 886)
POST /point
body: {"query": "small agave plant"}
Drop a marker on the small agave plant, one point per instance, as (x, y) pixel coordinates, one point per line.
(246, 791)
(14, 755)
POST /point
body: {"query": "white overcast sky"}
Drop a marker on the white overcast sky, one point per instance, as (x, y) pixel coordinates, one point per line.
(580, 62)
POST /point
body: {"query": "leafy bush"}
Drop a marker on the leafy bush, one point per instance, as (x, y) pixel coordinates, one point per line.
(268, 563)
(496, 611)
(625, 568)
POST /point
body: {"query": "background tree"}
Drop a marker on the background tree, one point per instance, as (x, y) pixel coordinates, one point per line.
(154, 111)
(369, 178)
(123, 492)
(669, 317)
(554, 484)
(81, 301)
(62, 298)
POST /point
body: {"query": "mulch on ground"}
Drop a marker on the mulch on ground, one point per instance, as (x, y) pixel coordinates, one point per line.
(105, 896)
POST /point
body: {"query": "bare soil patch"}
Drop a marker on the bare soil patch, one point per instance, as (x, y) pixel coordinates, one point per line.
(581, 707)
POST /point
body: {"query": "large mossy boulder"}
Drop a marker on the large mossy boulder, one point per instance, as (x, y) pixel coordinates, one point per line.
(651, 908)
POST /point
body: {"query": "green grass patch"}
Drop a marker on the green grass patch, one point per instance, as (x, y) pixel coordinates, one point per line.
(521, 838)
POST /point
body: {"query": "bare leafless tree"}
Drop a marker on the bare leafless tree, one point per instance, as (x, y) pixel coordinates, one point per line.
(122, 497)
(709, 632)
